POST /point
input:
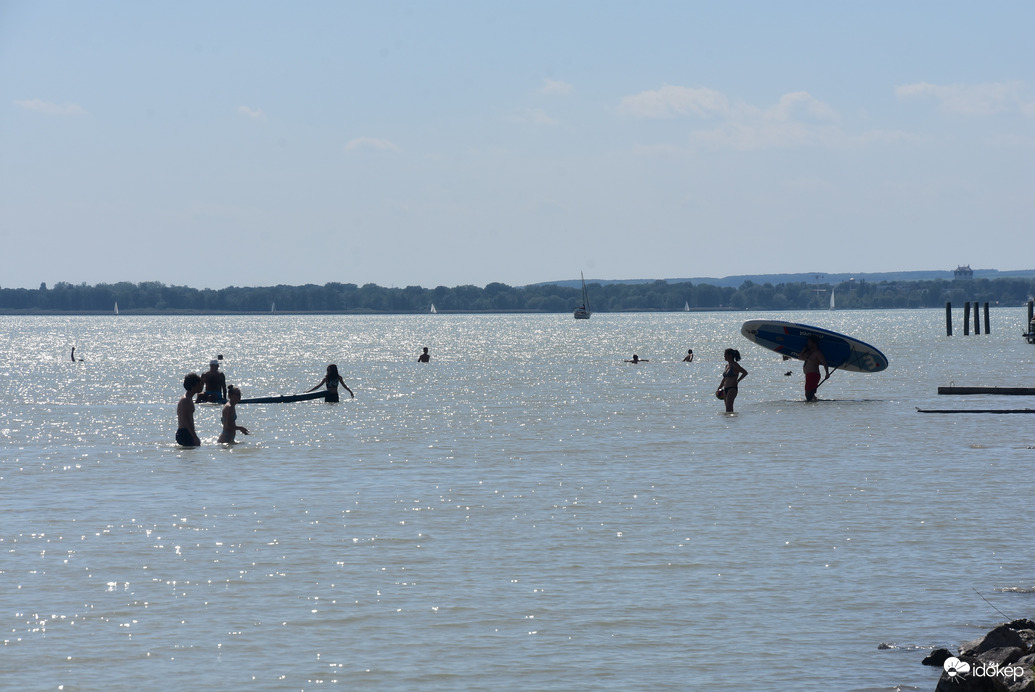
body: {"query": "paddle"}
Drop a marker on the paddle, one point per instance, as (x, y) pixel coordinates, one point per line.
(829, 373)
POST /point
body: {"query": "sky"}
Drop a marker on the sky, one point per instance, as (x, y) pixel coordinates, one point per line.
(446, 143)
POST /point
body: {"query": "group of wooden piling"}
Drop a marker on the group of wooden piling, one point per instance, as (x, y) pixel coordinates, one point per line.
(966, 319)
(1022, 391)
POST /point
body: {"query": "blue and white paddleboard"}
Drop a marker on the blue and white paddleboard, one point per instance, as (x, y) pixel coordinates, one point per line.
(789, 338)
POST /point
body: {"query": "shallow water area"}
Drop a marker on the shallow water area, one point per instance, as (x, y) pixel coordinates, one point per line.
(526, 511)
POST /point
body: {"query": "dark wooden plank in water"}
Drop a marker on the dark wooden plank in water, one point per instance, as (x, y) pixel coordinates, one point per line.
(1023, 391)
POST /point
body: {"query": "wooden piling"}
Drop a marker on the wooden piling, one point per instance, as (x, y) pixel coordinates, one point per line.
(1031, 310)
(977, 317)
(966, 318)
(948, 317)
(987, 323)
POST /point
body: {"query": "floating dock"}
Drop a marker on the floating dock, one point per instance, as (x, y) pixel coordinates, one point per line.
(975, 410)
(1021, 391)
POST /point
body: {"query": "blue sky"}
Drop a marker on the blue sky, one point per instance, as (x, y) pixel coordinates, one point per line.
(444, 143)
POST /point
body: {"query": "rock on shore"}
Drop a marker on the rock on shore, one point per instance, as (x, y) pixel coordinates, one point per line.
(1001, 661)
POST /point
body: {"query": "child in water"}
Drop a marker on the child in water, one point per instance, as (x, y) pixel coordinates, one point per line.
(230, 426)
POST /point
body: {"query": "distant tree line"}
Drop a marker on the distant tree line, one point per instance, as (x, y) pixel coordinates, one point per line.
(152, 297)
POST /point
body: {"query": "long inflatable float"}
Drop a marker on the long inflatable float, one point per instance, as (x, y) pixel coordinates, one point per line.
(286, 398)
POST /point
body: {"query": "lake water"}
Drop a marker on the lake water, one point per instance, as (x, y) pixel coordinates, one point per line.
(525, 512)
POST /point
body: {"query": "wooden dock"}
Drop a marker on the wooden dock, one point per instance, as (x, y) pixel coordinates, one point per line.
(975, 410)
(1019, 391)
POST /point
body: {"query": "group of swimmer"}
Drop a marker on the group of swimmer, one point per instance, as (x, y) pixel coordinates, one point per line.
(689, 358)
(186, 435)
(734, 372)
(211, 387)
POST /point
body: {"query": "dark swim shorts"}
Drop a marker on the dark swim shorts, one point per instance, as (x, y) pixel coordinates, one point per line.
(184, 437)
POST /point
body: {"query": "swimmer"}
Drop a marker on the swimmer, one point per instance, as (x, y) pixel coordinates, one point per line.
(215, 384)
(332, 379)
(185, 434)
(229, 417)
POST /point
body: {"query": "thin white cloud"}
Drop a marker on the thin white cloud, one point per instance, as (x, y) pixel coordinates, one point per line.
(800, 103)
(796, 119)
(554, 88)
(40, 106)
(972, 99)
(255, 113)
(363, 143)
(673, 101)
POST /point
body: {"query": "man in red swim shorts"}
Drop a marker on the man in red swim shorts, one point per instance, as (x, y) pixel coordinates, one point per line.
(813, 358)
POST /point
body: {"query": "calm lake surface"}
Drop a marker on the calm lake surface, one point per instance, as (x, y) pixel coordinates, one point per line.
(525, 512)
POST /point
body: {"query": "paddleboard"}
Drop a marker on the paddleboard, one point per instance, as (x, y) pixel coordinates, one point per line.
(789, 338)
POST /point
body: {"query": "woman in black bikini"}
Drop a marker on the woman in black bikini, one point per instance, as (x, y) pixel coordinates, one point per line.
(332, 379)
(731, 377)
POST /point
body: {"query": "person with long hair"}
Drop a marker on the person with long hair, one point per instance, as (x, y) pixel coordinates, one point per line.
(229, 417)
(332, 379)
(731, 377)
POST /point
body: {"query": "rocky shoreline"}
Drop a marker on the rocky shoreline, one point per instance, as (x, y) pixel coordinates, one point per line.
(1001, 661)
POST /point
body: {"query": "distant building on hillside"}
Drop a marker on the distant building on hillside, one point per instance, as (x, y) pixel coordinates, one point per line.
(961, 273)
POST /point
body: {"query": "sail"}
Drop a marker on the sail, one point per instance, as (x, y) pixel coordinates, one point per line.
(832, 299)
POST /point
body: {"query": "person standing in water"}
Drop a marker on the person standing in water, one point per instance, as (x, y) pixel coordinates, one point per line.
(813, 358)
(332, 379)
(185, 434)
(229, 417)
(731, 377)
(215, 384)
(424, 357)
(689, 356)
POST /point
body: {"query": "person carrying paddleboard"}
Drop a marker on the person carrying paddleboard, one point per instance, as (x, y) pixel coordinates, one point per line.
(813, 358)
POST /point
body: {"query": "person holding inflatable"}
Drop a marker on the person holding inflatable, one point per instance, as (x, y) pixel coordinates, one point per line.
(332, 379)
(813, 358)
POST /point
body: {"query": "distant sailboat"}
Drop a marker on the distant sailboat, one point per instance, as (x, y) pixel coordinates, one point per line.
(273, 307)
(116, 307)
(832, 299)
(433, 310)
(582, 312)
(686, 307)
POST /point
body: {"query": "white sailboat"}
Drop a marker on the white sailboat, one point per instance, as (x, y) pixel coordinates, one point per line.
(433, 310)
(116, 307)
(832, 298)
(686, 306)
(583, 312)
(273, 308)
